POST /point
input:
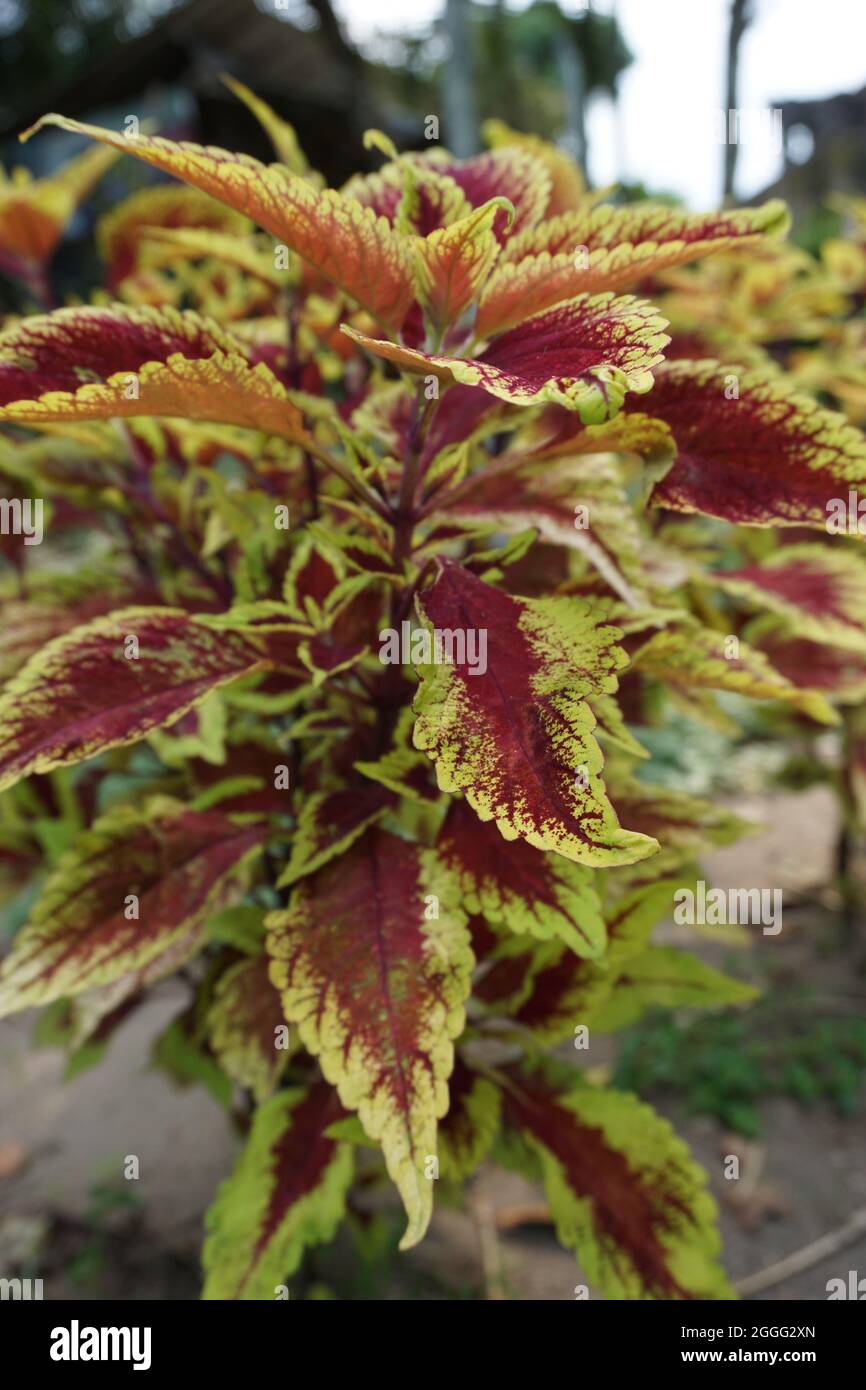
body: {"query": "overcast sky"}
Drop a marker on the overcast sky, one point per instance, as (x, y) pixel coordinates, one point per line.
(667, 137)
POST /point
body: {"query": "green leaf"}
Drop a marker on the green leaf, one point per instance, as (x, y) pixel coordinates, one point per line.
(663, 977)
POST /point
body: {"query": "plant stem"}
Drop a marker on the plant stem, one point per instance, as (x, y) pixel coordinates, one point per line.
(404, 514)
(847, 833)
(312, 485)
(141, 491)
(353, 483)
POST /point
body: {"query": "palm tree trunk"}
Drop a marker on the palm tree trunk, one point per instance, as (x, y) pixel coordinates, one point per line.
(461, 125)
(573, 80)
(740, 18)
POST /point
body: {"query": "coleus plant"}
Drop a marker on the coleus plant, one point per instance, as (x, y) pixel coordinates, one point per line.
(366, 561)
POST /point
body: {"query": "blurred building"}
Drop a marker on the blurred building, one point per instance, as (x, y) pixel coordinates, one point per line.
(170, 75)
(825, 151)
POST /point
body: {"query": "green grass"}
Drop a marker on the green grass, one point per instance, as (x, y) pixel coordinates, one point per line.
(723, 1064)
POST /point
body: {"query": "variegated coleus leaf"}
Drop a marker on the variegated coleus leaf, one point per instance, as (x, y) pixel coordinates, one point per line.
(691, 657)
(112, 681)
(555, 432)
(402, 768)
(329, 822)
(820, 591)
(608, 248)
(469, 1129)
(243, 1022)
(567, 184)
(165, 246)
(585, 354)
(425, 192)
(579, 503)
(452, 263)
(372, 962)
(508, 967)
(625, 1193)
(412, 193)
(92, 364)
(776, 294)
(200, 733)
(95, 1012)
(311, 580)
(124, 894)
(347, 244)
(344, 637)
(750, 449)
(119, 233)
(66, 349)
(544, 895)
(517, 738)
(287, 1191)
(836, 672)
(34, 212)
(28, 625)
(512, 173)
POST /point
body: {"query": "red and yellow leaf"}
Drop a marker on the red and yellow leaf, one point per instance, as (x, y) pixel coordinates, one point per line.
(675, 818)
(766, 456)
(819, 591)
(287, 1191)
(585, 355)
(119, 233)
(544, 895)
(28, 625)
(372, 963)
(242, 1026)
(518, 738)
(34, 212)
(82, 694)
(66, 349)
(556, 432)
(95, 1012)
(577, 503)
(567, 185)
(402, 769)
(835, 672)
(608, 248)
(329, 822)
(567, 990)
(625, 1193)
(695, 658)
(412, 193)
(453, 262)
(512, 173)
(92, 364)
(163, 246)
(125, 893)
(347, 244)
